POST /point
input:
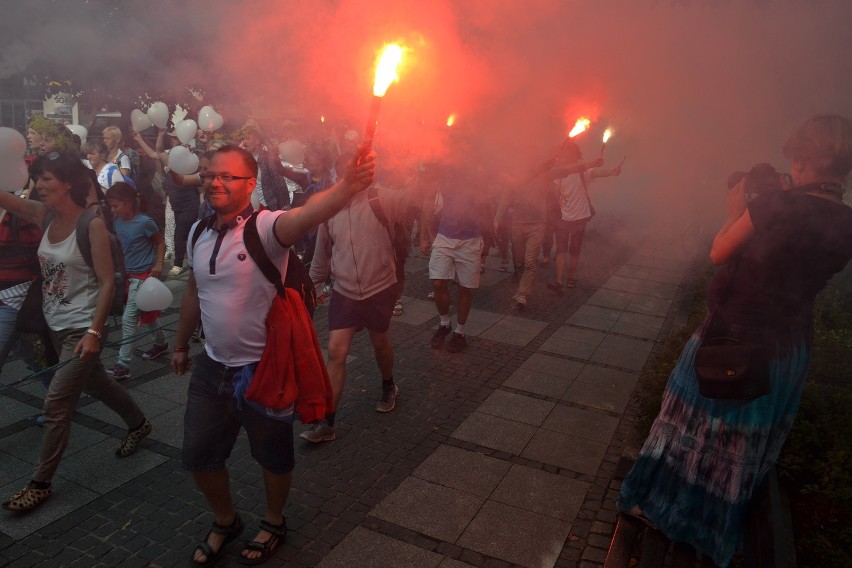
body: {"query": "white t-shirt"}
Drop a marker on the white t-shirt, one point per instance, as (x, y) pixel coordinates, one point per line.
(235, 295)
(123, 161)
(572, 196)
(70, 287)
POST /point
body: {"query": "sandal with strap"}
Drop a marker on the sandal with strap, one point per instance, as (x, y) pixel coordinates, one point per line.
(397, 309)
(28, 498)
(277, 533)
(231, 532)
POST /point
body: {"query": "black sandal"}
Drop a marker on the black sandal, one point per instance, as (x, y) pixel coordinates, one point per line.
(277, 534)
(231, 532)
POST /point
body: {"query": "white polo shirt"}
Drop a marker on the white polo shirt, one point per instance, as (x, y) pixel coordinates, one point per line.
(234, 294)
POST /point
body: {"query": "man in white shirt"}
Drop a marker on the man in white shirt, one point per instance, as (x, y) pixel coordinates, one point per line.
(228, 292)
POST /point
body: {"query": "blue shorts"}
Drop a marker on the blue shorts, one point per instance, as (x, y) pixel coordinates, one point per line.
(212, 422)
(374, 312)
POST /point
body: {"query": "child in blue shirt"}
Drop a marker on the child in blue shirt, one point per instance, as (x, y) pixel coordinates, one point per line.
(144, 250)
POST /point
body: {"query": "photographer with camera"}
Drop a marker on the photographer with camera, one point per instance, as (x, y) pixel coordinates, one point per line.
(707, 453)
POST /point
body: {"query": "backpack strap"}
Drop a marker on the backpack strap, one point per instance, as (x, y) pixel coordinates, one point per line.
(254, 246)
(200, 228)
(376, 206)
(83, 240)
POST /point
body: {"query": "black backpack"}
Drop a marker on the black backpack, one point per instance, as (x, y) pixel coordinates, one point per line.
(297, 276)
(119, 299)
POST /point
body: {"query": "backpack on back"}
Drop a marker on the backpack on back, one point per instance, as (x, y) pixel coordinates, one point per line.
(119, 298)
(297, 276)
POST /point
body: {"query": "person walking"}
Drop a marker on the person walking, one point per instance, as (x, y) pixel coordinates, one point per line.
(76, 303)
(226, 290)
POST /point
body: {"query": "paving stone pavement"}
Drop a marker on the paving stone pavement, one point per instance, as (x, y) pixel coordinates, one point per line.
(502, 455)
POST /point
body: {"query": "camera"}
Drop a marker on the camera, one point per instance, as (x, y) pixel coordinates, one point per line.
(760, 179)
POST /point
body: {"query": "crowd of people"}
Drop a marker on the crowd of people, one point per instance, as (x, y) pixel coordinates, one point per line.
(352, 224)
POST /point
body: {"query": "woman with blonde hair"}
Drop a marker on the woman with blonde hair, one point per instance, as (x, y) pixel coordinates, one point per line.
(705, 457)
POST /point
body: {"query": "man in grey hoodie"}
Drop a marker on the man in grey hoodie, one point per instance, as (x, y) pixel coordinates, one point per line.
(355, 246)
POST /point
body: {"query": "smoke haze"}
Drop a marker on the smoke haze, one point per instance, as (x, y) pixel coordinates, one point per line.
(693, 90)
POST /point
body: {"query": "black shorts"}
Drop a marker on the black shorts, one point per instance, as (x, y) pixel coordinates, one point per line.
(569, 235)
(373, 313)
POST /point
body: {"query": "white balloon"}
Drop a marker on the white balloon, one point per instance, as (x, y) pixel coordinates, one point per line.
(205, 119)
(140, 120)
(185, 130)
(182, 161)
(12, 143)
(216, 121)
(79, 130)
(159, 114)
(153, 296)
(13, 173)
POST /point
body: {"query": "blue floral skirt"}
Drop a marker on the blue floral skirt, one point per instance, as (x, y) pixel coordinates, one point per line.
(704, 458)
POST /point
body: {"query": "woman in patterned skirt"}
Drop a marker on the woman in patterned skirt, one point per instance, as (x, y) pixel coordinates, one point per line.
(704, 458)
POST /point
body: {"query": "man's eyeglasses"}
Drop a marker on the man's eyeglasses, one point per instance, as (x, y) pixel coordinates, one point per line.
(224, 178)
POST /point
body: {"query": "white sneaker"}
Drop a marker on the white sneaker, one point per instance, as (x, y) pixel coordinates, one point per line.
(176, 271)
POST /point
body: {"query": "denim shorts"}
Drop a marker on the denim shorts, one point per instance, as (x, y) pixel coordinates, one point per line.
(212, 422)
(374, 312)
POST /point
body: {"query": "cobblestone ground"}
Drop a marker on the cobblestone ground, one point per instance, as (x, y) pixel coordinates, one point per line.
(145, 511)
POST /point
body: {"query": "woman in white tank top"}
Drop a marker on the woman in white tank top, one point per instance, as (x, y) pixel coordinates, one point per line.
(76, 304)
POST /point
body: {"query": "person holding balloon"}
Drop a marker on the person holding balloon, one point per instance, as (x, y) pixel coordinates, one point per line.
(144, 253)
(77, 296)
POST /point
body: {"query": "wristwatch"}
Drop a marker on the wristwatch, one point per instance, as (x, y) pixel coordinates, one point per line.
(97, 334)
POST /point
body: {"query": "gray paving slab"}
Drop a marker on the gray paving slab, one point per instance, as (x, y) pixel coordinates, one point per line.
(14, 468)
(25, 444)
(493, 432)
(152, 406)
(429, 508)
(514, 330)
(169, 387)
(541, 492)
(600, 387)
(573, 341)
(87, 467)
(638, 325)
(415, 312)
(34, 388)
(453, 563)
(464, 470)
(581, 423)
(516, 407)
(576, 454)
(595, 317)
(67, 497)
(12, 411)
(168, 427)
(622, 352)
(666, 275)
(540, 383)
(633, 271)
(650, 305)
(477, 321)
(515, 535)
(610, 299)
(14, 371)
(369, 549)
(556, 366)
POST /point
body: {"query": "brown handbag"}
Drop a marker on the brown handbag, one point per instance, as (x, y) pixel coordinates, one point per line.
(730, 369)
